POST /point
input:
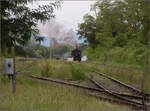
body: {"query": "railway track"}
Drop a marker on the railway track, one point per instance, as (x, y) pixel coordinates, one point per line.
(116, 98)
(132, 96)
(66, 83)
(113, 100)
(121, 98)
(135, 101)
(123, 84)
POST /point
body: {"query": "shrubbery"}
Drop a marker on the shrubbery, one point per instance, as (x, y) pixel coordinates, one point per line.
(126, 55)
(117, 33)
(46, 69)
(76, 73)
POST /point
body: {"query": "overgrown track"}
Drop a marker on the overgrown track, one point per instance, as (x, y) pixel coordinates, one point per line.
(132, 96)
(113, 100)
(123, 84)
(117, 99)
(121, 98)
(66, 83)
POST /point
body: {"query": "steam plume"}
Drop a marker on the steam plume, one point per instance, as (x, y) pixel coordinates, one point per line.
(59, 32)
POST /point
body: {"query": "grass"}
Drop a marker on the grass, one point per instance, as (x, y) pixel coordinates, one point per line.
(40, 96)
(77, 74)
(63, 70)
(46, 69)
(33, 95)
(128, 75)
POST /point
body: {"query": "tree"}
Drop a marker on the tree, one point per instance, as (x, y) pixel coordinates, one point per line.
(116, 23)
(18, 22)
(87, 30)
(137, 14)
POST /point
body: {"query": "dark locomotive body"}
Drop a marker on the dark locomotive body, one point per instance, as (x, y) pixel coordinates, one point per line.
(76, 54)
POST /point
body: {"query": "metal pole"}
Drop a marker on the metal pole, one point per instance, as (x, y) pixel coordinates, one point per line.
(50, 49)
(13, 77)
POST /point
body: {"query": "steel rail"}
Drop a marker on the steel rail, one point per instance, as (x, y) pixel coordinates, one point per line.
(108, 92)
(64, 82)
(76, 85)
(121, 83)
(112, 100)
(132, 96)
(81, 86)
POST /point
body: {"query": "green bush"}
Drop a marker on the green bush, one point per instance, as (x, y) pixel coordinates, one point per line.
(132, 54)
(76, 73)
(141, 55)
(46, 69)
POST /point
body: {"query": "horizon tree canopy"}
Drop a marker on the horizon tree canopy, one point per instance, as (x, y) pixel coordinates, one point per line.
(19, 22)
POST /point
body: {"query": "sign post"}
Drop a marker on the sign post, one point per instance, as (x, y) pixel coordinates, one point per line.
(13, 83)
(10, 70)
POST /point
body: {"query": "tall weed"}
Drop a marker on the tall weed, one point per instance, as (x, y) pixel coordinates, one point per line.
(76, 73)
(46, 69)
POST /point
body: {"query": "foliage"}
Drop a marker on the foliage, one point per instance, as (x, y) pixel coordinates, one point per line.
(88, 29)
(46, 69)
(119, 20)
(43, 96)
(76, 73)
(19, 22)
(117, 30)
(34, 49)
(127, 73)
(60, 50)
(127, 55)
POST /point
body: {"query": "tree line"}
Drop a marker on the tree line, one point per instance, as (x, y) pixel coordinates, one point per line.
(121, 25)
(19, 22)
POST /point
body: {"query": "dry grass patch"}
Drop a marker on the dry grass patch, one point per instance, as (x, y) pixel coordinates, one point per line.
(36, 95)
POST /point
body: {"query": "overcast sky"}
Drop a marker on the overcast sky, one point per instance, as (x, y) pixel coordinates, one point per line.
(70, 13)
(67, 17)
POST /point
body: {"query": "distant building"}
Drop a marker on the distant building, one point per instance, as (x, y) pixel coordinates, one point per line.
(53, 43)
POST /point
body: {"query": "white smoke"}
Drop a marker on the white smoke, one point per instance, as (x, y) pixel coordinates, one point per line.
(59, 32)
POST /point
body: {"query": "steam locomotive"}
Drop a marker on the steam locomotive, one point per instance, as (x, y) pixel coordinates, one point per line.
(76, 54)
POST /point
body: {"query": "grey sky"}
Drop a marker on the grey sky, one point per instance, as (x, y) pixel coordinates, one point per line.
(66, 21)
(70, 13)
